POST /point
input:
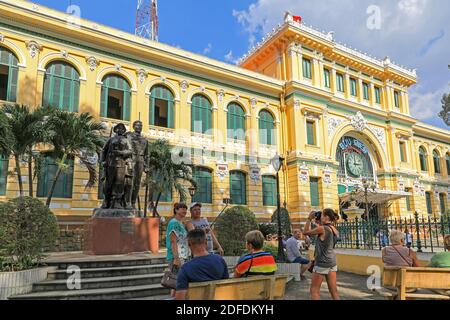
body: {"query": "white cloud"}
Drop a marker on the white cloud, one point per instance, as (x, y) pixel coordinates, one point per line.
(407, 27)
(229, 57)
(207, 49)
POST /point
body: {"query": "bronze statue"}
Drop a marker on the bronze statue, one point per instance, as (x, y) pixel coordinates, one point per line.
(118, 171)
(140, 159)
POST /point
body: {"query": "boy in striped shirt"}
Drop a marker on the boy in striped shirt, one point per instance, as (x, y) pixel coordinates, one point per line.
(257, 262)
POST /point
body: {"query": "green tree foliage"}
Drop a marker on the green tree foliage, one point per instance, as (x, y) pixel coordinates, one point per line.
(27, 226)
(166, 174)
(232, 227)
(267, 228)
(445, 113)
(73, 136)
(286, 227)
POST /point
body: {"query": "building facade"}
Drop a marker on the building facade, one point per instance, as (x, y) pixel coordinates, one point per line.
(337, 115)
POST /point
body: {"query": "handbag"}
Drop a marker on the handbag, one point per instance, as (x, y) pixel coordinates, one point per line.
(169, 279)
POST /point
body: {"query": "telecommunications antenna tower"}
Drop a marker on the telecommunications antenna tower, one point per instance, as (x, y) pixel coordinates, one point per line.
(147, 19)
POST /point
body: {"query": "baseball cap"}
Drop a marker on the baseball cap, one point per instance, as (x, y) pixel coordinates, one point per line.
(195, 204)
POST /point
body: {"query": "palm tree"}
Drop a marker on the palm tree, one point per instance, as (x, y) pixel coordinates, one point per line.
(5, 135)
(165, 174)
(27, 129)
(75, 136)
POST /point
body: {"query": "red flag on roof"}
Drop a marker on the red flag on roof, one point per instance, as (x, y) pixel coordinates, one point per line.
(297, 19)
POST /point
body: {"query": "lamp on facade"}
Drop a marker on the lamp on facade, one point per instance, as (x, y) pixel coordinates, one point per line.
(277, 163)
(192, 191)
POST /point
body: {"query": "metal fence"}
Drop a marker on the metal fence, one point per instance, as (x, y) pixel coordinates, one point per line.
(422, 233)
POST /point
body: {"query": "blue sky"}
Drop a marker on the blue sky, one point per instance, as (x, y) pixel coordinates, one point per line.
(414, 33)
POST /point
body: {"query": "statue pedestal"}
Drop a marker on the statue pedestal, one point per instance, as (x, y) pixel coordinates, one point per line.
(121, 235)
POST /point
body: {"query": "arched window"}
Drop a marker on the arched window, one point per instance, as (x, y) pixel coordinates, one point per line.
(266, 128)
(238, 188)
(423, 159)
(161, 107)
(116, 98)
(9, 72)
(201, 114)
(269, 184)
(47, 175)
(203, 177)
(236, 122)
(436, 162)
(61, 86)
(447, 161)
(3, 174)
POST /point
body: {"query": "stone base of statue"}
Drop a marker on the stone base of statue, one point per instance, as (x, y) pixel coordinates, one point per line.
(114, 231)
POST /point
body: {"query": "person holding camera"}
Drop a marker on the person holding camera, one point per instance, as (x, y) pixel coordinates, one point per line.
(325, 265)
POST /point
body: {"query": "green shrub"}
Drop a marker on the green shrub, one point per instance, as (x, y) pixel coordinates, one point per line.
(267, 228)
(271, 249)
(232, 226)
(285, 221)
(27, 226)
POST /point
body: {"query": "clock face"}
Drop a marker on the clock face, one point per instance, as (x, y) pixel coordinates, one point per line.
(355, 164)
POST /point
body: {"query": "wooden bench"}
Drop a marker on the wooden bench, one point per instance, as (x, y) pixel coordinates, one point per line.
(410, 278)
(251, 288)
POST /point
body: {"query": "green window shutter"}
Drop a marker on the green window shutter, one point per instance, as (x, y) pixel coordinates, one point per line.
(238, 190)
(429, 206)
(402, 152)
(378, 95)
(235, 122)
(314, 192)
(13, 75)
(269, 191)
(64, 185)
(201, 112)
(353, 88)
(126, 105)
(311, 132)
(307, 68)
(61, 86)
(423, 159)
(447, 160)
(437, 162)
(342, 189)
(3, 174)
(203, 177)
(397, 99)
(340, 82)
(326, 74)
(160, 92)
(104, 102)
(442, 202)
(266, 128)
(366, 91)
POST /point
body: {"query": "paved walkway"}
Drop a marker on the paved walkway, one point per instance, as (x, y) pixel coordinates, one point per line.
(350, 286)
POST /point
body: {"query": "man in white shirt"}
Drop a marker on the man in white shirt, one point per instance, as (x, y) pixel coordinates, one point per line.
(294, 254)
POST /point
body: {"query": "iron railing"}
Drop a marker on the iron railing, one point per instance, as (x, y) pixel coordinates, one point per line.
(422, 233)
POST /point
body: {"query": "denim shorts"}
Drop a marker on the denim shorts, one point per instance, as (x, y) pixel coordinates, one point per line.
(324, 271)
(301, 260)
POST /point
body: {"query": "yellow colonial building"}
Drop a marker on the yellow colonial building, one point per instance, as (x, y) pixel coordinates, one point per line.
(337, 115)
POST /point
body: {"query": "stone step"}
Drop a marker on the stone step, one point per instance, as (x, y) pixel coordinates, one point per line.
(88, 264)
(110, 272)
(100, 283)
(98, 294)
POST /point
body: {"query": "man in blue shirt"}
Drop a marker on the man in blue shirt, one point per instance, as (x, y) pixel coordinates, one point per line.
(203, 267)
(294, 254)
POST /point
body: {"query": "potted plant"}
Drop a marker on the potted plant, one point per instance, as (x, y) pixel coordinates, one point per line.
(27, 227)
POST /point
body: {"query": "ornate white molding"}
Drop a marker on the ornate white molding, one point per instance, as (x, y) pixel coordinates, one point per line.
(222, 170)
(380, 134)
(33, 47)
(303, 173)
(142, 75)
(184, 85)
(296, 105)
(255, 173)
(358, 122)
(253, 102)
(333, 123)
(92, 62)
(221, 94)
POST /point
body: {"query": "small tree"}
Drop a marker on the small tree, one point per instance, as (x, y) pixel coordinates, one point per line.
(27, 226)
(445, 113)
(75, 136)
(286, 227)
(165, 174)
(232, 227)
